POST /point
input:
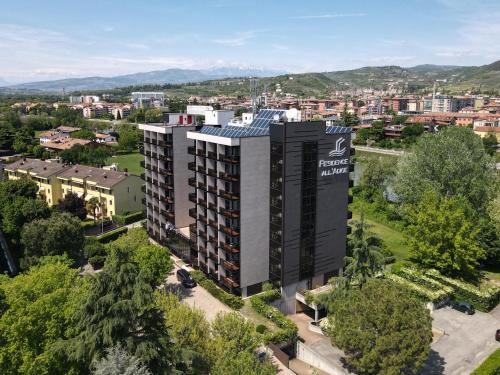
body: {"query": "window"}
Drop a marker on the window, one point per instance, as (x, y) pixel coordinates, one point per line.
(110, 202)
(128, 189)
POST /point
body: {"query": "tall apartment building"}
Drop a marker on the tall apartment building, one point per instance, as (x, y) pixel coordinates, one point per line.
(167, 175)
(271, 200)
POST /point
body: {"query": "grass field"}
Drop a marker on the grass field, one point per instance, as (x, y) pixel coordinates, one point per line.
(393, 239)
(129, 161)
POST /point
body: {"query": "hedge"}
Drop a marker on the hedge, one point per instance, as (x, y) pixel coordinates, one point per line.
(112, 235)
(491, 366)
(128, 219)
(483, 300)
(234, 302)
(288, 329)
(424, 280)
(419, 291)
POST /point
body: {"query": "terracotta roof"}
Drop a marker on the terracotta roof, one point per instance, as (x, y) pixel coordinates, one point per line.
(102, 136)
(37, 167)
(99, 176)
(65, 143)
(487, 129)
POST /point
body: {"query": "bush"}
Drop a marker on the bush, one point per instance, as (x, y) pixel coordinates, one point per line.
(112, 235)
(234, 302)
(418, 291)
(491, 366)
(97, 261)
(424, 280)
(128, 219)
(483, 300)
(288, 329)
(261, 328)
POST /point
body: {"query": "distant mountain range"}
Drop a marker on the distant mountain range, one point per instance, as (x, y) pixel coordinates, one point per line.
(158, 77)
(417, 79)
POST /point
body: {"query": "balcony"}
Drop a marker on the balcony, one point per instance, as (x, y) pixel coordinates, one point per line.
(200, 168)
(168, 214)
(192, 166)
(202, 234)
(212, 240)
(202, 218)
(143, 188)
(165, 157)
(202, 202)
(192, 181)
(202, 250)
(212, 206)
(143, 200)
(192, 212)
(202, 186)
(191, 150)
(213, 224)
(233, 159)
(192, 197)
(232, 214)
(147, 140)
(153, 141)
(212, 189)
(212, 155)
(143, 176)
(231, 248)
(212, 172)
(230, 282)
(203, 267)
(230, 266)
(165, 172)
(214, 257)
(200, 152)
(228, 176)
(166, 185)
(192, 228)
(229, 195)
(167, 199)
(142, 163)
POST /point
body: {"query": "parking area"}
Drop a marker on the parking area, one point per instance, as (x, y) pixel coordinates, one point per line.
(467, 341)
(196, 297)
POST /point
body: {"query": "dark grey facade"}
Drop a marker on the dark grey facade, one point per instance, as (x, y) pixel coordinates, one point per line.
(309, 182)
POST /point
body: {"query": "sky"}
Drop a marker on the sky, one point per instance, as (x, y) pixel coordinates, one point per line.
(53, 39)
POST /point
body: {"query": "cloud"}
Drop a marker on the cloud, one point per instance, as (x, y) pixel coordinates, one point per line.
(239, 39)
(108, 28)
(326, 16)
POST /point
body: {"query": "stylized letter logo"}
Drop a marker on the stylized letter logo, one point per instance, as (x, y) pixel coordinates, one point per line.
(339, 149)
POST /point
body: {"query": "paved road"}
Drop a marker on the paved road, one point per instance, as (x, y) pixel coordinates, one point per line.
(379, 150)
(197, 297)
(466, 343)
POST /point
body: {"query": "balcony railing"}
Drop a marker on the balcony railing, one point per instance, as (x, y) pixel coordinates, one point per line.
(230, 282)
(232, 248)
(200, 152)
(228, 195)
(229, 231)
(233, 214)
(192, 212)
(167, 199)
(165, 172)
(212, 155)
(202, 202)
(229, 158)
(192, 181)
(214, 257)
(142, 163)
(230, 266)
(228, 176)
(191, 150)
(203, 250)
(202, 218)
(165, 157)
(212, 206)
(213, 240)
(212, 223)
(192, 197)
(202, 235)
(212, 172)
(192, 166)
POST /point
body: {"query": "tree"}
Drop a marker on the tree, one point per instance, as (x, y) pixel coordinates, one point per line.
(120, 310)
(41, 306)
(347, 118)
(155, 263)
(93, 205)
(20, 211)
(60, 234)
(450, 163)
(442, 235)
(376, 176)
(411, 132)
(91, 154)
(74, 205)
(118, 362)
(490, 144)
(236, 331)
(365, 258)
(381, 329)
(84, 134)
(22, 187)
(241, 363)
(129, 137)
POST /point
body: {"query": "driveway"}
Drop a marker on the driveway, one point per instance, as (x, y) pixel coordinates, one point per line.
(467, 341)
(196, 297)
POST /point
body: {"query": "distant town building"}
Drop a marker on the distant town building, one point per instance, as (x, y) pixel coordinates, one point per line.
(148, 99)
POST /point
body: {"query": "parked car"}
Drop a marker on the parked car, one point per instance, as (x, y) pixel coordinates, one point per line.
(497, 335)
(185, 278)
(464, 307)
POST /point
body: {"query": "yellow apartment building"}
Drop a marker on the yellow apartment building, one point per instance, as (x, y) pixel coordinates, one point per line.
(117, 192)
(41, 172)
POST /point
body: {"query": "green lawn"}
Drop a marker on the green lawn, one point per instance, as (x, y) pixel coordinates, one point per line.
(248, 312)
(391, 237)
(129, 161)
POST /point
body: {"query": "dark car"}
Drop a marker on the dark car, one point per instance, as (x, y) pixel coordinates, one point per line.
(185, 278)
(463, 307)
(497, 335)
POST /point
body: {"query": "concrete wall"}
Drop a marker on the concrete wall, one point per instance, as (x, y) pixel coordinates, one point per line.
(313, 358)
(128, 195)
(254, 210)
(181, 175)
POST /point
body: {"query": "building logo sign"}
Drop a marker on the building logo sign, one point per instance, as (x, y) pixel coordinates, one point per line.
(337, 165)
(339, 149)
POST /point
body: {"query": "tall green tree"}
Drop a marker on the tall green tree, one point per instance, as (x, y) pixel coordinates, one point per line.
(120, 309)
(74, 205)
(57, 235)
(364, 259)
(450, 163)
(376, 177)
(381, 329)
(41, 309)
(119, 362)
(490, 144)
(442, 235)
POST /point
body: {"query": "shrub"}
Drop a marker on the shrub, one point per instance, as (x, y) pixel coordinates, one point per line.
(112, 235)
(288, 329)
(97, 261)
(424, 280)
(129, 218)
(483, 300)
(491, 366)
(418, 291)
(261, 328)
(234, 302)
